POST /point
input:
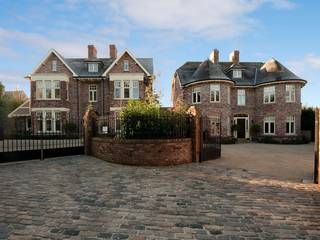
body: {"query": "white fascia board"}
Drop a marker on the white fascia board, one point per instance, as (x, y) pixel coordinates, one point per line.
(50, 76)
(126, 76)
(50, 109)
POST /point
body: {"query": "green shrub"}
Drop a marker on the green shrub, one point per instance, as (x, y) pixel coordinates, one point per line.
(144, 120)
(268, 139)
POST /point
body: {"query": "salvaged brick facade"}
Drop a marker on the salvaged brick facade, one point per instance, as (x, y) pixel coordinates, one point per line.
(73, 78)
(148, 152)
(255, 78)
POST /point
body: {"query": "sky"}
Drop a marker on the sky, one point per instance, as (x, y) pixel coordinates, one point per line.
(170, 31)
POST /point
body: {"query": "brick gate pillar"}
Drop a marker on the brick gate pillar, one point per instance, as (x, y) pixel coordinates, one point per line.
(88, 121)
(317, 147)
(196, 133)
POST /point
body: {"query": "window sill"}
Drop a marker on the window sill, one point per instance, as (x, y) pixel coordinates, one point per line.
(269, 134)
(290, 101)
(290, 134)
(196, 103)
(48, 99)
(269, 103)
(215, 101)
(126, 98)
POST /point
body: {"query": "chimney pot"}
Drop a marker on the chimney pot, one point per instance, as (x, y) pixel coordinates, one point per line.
(214, 56)
(92, 52)
(113, 51)
(234, 57)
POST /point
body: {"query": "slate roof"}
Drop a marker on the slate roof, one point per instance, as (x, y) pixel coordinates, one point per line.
(253, 73)
(79, 65)
(22, 111)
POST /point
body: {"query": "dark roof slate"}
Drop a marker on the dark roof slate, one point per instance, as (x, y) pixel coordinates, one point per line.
(252, 73)
(79, 65)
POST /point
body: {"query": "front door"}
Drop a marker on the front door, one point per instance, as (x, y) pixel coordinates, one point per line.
(241, 128)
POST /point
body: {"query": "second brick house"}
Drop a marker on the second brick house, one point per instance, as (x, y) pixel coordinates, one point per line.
(242, 94)
(62, 88)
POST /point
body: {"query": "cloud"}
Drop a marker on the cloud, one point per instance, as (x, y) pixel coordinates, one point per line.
(313, 60)
(214, 19)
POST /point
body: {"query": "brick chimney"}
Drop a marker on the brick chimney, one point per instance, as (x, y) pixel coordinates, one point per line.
(113, 51)
(234, 56)
(92, 52)
(214, 56)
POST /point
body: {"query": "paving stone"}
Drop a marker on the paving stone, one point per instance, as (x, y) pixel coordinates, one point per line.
(89, 199)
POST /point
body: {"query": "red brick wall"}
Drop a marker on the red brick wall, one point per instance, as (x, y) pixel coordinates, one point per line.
(151, 152)
(255, 108)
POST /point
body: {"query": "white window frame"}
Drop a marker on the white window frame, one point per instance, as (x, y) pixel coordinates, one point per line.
(290, 93)
(241, 97)
(44, 90)
(269, 121)
(41, 115)
(126, 65)
(196, 95)
(93, 91)
(236, 73)
(215, 93)
(267, 93)
(93, 67)
(133, 85)
(54, 65)
(292, 125)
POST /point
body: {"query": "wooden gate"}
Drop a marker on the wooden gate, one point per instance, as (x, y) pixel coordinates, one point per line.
(211, 138)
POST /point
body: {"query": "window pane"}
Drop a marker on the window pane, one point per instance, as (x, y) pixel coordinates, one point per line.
(198, 97)
(126, 93)
(287, 127)
(271, 127)
(218, 96)
(266, 127)
(194, 97)
(39, 89)
(135, 92)
(292, 127)
(117, 93)
(48, 89)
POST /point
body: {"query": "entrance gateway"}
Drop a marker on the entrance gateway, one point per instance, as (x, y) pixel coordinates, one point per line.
(242, 123)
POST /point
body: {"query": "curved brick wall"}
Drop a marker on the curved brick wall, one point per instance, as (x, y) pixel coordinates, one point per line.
(147, 152)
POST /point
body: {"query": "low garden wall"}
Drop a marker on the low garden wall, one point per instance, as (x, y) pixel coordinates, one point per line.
(147, 152)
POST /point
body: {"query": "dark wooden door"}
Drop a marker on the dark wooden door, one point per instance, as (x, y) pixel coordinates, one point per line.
(241, 128)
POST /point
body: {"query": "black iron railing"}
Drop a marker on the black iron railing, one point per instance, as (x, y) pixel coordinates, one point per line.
(143, 127)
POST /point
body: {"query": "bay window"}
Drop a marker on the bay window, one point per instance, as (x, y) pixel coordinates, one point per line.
(290, 125)
(269, 125)
(48, 89)
(269, 94)
(290, 93)
(48, 121)
(196, 95)
(215, 93)
(126, 89)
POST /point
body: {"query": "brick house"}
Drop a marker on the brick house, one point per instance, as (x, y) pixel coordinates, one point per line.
(241, 94)
(62, 88)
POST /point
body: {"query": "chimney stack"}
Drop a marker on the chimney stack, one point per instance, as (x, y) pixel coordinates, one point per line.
(113, 51)
(92, 52)
(234, 57)
(214, 56)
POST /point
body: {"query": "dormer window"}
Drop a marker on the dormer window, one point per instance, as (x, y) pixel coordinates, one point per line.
(126, 65)
(92, 67)
(237, 74)
(54, 66)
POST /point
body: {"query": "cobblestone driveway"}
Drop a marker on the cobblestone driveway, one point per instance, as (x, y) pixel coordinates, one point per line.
(85, 198)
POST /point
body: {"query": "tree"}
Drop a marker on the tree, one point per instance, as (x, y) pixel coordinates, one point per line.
(1, 90)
